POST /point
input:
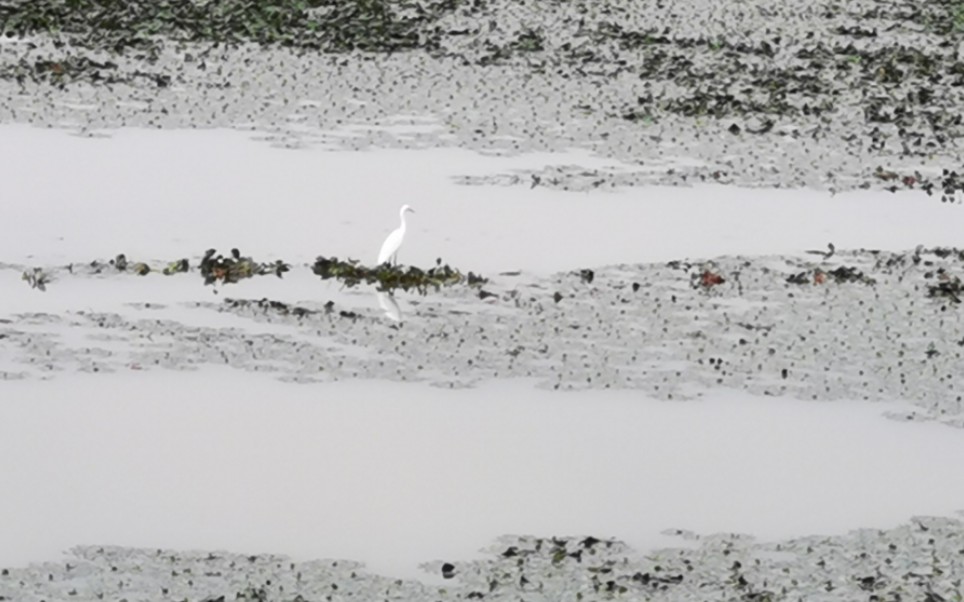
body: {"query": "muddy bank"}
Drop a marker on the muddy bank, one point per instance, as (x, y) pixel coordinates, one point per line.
(918, 560)
(855, 325)
(863, 94)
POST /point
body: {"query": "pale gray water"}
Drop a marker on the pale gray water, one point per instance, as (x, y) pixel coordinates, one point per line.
(844, 121)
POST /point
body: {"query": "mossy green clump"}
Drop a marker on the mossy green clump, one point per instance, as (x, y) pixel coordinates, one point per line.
(388, 278)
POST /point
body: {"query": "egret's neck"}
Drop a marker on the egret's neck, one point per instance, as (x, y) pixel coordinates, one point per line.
(401, 214)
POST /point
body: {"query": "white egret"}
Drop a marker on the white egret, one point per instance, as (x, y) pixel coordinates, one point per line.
(394, 240)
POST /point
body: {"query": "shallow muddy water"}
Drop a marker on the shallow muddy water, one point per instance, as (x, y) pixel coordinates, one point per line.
(397, 474)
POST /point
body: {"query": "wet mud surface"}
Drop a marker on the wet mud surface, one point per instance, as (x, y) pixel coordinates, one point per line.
(855, 325)
(838, 96)
(921, 560)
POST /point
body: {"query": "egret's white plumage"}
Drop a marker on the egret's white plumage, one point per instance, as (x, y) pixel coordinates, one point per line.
(394, 240)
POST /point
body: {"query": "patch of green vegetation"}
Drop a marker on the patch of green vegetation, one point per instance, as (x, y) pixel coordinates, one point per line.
(326, 25)
(388, 278)
(216, 268)
(957, 18)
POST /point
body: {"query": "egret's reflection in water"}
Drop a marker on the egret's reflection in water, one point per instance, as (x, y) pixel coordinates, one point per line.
(389, 305)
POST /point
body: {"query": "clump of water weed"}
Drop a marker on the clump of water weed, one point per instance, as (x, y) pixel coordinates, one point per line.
(36, 278)
(217, 268)
(388, 277)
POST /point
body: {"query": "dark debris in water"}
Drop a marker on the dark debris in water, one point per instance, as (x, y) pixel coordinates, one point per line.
(267, 305)
(848, 274)
(388, 278)
(840, 275)
(703, 276)
(947, 287)
(214, 268)
(119, 263)
(36, 278)
(177, 267)
(709, 278)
